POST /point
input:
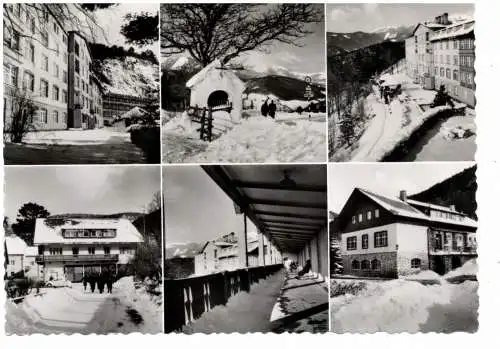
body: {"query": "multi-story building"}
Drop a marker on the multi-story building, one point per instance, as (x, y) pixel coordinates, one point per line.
(71, 248)
(454, 58)
(392, 237)
(35, 64)
(115, 105)
(96, 110)
(418, 49)
(49, 66)
(442, 53)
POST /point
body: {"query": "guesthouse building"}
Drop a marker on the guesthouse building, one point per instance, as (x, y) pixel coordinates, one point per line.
(392, 237)
(73, 247)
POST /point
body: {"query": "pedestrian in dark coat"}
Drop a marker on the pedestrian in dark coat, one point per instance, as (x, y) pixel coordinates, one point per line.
(109, 282)
(101, 282)
(264, 109)
(84, 280)
(272, 109)
(92, 282)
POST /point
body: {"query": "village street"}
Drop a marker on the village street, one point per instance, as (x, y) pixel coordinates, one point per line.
(71, 310)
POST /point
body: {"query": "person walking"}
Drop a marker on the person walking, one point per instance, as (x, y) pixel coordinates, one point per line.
(272, 109)
(100, 283)
(84, 280)
(92, 282)
(264, 109)
(109, 282)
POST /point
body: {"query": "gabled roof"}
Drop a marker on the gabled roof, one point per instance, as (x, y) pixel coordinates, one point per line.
(433, 206)
(401, 208)
(216, 65)
(15, 245)
(50, 233)
(430, 26)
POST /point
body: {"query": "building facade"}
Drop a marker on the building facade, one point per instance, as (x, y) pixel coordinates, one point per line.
(70, 248)
(392, 237)
(49, 66)
(115, 105)
(16, 248)
(442, 53)
(454, 61)
(35, 65)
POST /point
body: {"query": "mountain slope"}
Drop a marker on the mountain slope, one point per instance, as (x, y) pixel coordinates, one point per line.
(181, 249)
(458, 190)
(285, 88)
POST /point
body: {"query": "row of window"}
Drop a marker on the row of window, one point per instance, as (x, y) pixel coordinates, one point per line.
(415, 263)
(379, 240)
(442, 214)
(360, 216)
(91, 250)
(89, 233)
(43, 116)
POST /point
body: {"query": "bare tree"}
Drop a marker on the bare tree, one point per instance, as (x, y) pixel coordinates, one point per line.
(224, 31)
(22, 112)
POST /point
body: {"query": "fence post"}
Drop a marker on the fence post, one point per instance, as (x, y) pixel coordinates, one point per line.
(210, 125)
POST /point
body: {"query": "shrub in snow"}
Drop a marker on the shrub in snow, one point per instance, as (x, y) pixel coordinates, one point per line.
(147, 260)
(343, 287)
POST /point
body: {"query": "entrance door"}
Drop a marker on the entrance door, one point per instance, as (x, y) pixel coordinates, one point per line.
(73, 273)
(439, 266)
(218, 98)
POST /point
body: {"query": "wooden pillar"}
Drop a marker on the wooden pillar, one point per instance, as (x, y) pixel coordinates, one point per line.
(242, 244)
(262, 259)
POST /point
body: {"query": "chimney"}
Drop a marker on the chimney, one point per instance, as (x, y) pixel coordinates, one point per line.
(402, 195)
(445, 18)
(452, 207)
(437, 20)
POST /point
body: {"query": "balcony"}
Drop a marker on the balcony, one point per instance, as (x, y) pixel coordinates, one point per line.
(79, 258)
(448, 250)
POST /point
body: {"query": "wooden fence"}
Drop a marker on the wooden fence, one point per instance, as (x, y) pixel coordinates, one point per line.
(187, 299)
(204, 116)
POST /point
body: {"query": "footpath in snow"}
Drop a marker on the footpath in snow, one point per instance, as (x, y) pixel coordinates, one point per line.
(425, 302)
(392, 124)
(71, 310)
(289, 138)
(77, 137)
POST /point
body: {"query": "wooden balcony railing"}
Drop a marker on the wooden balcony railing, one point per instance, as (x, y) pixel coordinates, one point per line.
(187, 299)
(453, 250)
(79, 258)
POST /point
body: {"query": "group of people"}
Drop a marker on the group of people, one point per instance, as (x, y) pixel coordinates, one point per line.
(292, 266)
(268, 109)
(387, 93)
(101, 280)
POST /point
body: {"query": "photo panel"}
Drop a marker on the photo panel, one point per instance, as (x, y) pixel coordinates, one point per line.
(83, 250)
(403, 254)
(81, 84)
(243, 83)
(246, 249)
(401, 82)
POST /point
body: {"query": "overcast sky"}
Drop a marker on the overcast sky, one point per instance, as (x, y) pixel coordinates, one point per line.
(307, 57)
(386, 179)
(196, 209)
(81, 189)
(347, 18)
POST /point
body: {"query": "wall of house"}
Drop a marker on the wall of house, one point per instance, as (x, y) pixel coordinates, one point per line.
(391, 240)
(388, 264)
(412, 243)
(54, 270)
(16, 264)
(32, 269)
(54, 73)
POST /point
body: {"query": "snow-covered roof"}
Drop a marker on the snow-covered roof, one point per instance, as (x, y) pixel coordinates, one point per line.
(394, 79)
(51, 233)
(396, 206)
(454, 30)
(216, 65)
(15, 245)
(135, 112)
(432, 206)
(404, 209)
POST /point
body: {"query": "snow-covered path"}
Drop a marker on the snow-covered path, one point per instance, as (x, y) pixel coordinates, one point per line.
(73, 310)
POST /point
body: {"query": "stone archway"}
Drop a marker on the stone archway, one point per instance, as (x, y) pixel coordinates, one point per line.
(218, 98)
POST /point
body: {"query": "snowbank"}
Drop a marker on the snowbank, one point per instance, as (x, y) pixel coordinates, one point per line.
(149, 306)
(391, 126)
(406, 306)
(75, 137)
(18, 322)
(469, 268)
(260, 139)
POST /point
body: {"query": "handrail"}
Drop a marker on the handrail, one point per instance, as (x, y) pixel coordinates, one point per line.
(76, 258)
(188, 298)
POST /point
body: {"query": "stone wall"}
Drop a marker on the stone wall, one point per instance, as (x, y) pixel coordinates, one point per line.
(388, 261)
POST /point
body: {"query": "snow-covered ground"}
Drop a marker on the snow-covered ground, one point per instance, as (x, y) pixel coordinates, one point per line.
(407, 305)
(71, 310)
(392, 124)
(76, 137)
(289, 138)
